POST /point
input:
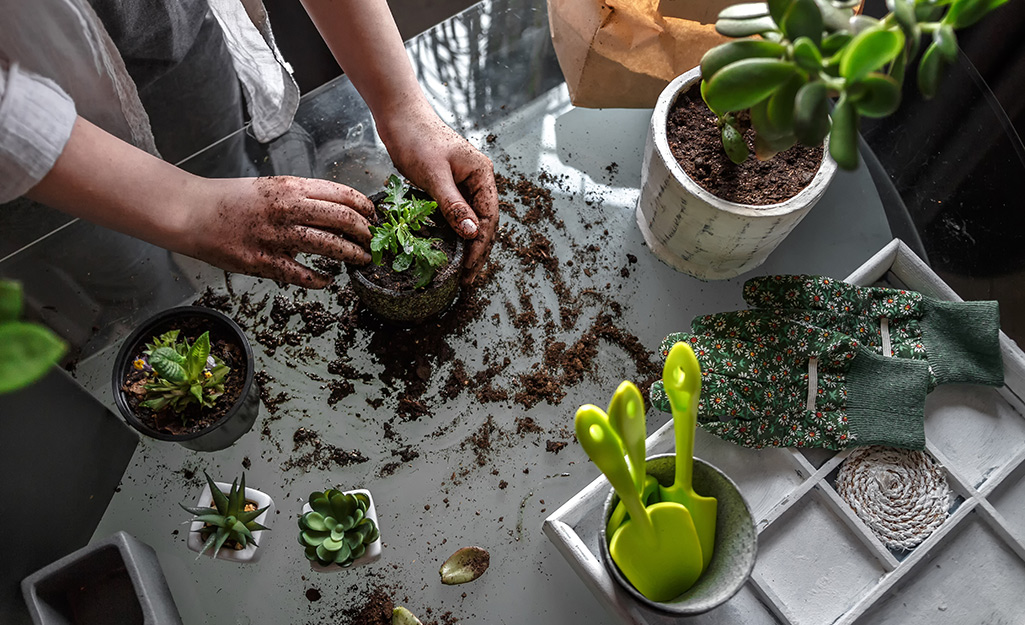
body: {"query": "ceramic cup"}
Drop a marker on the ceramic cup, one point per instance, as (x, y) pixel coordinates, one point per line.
(736, 541)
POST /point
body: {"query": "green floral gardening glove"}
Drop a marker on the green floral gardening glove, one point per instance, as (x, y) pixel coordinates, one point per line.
(771, 382)
(959, 340)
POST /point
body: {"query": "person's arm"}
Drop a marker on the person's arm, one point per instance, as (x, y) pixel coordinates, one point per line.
(248, 225)
(366, 43)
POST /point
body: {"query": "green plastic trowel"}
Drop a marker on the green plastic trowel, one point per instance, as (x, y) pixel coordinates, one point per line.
(657, 549)
(682, 379)
(626, 416)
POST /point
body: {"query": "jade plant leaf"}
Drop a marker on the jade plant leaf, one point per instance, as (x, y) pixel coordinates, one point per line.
(803, 19)
(721, 56)
(929, 71)
(734, 144)
(877, 95)
(744, 11)
(465, 565)
(745, 83)
(745, 27)
(778, 9)
(835, 42)
(315, 521)
(811, 114)
(843, 138)
(807, 54)
(964, 13)
(869, 51)
(946, 42)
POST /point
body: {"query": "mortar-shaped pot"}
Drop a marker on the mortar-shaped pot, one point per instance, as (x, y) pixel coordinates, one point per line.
(692, 230)
(736, 541)
(409, 308)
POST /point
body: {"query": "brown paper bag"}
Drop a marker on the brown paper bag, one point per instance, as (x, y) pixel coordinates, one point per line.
(622, 53)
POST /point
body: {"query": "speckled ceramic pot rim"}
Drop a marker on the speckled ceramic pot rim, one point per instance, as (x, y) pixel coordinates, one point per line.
(697, 599)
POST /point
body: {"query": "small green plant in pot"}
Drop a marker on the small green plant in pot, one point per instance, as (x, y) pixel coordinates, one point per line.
(27, 350)
(186, 375)
(416, 259)
(227, 520)
(339, 529)
(812, 51)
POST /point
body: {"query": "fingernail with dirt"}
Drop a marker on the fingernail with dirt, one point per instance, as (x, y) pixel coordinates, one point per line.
(467, 228)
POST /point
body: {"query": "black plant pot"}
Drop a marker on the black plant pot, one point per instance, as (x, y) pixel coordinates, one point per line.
(408, 308)
(229, 428)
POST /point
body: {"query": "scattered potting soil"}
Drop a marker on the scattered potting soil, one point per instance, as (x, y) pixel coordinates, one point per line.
(695, 141)
(321, 455)
(194, 418)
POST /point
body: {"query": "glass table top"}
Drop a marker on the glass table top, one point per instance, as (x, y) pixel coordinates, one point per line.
(462, 432)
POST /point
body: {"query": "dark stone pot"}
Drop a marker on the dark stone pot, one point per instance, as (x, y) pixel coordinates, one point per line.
(408, 308)
(236, 422)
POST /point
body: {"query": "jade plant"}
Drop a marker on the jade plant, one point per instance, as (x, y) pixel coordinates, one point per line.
(337, 530)
(181, 374)
(228, 519)
(812, 51)
(405, 215)
(27, 350)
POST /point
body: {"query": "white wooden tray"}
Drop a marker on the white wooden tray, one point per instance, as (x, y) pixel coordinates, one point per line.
(817, 562)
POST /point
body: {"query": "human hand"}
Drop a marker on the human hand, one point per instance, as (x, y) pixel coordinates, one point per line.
(258, 225)
(433, 157)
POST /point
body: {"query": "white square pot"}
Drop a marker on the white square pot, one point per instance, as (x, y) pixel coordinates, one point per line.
(252, 552)
(373, 551)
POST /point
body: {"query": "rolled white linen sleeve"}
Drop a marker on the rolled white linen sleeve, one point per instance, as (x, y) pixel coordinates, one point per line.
(36, 118)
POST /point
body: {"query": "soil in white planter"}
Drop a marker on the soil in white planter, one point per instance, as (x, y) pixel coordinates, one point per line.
(696, 143)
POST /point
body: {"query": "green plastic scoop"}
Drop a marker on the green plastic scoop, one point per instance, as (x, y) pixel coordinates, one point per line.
(657, 549)
(626, 416)
(682, 379)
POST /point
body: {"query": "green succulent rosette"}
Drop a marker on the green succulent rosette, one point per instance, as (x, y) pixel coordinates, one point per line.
(337, 530)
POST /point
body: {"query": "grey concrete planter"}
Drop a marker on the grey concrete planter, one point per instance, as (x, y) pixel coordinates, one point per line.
(116, 580)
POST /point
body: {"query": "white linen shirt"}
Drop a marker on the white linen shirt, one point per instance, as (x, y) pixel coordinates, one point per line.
(57, 61)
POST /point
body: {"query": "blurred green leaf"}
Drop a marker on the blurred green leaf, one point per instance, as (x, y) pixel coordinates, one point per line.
(766, 148)
(869, 51)
(733, 143)
(834, 18)
(807, 55)
(745, 28)
(742, 84)
(744, 11)
(778, 8)
(10, 301)
(733, 51)
(27, 351)
(835, 42)
(904, 12)
(843, 138)
(946, 42)
(929, 71)
(803, 19)
(811, 114)
(876, 95)
(780, 106)
(964, 13)
(898, 67)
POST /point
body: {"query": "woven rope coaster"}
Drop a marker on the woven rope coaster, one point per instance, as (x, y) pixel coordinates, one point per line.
(902, 495)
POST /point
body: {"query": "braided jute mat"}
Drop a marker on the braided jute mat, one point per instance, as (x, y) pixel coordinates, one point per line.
(902, 495)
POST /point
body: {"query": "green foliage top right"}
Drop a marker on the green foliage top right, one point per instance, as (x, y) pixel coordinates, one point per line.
(814, 50)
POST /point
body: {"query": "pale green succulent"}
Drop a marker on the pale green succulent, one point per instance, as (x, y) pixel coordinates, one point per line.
(337, 530)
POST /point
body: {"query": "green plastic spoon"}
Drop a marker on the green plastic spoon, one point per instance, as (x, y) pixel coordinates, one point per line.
(657, 549)
(626, 415)
(682, 379)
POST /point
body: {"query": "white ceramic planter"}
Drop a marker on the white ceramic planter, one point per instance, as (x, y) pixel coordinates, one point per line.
(251, 553)
(373, 551)
(697, 233)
